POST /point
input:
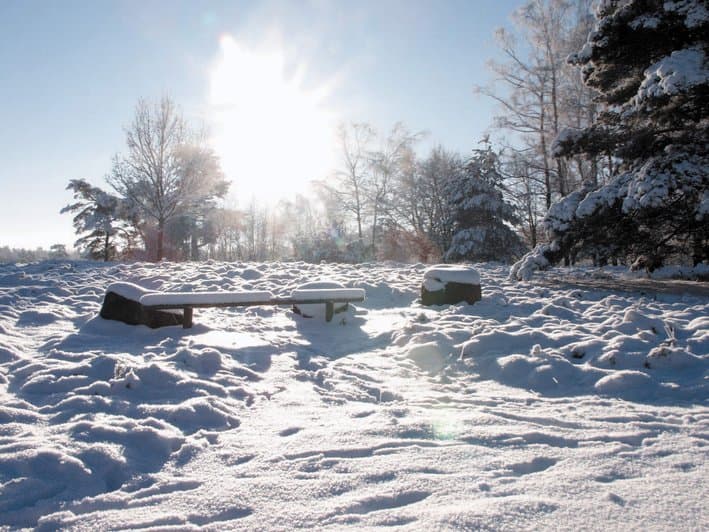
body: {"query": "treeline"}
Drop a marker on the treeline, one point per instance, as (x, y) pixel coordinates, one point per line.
(384, 203)
(599, 154)
(55, 252)
(388, 204)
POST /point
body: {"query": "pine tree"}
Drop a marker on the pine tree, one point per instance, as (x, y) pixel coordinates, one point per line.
(101, 219)
(649, 62)
(481, 215)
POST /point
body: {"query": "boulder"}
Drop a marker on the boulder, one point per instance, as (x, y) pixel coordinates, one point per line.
(450, 284)
(121, 303)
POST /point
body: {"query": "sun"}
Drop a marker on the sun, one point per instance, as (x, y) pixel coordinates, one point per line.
(274, 136)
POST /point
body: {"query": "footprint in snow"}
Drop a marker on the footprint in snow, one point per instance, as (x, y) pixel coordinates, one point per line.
(386, 502)
(289, 431)
(535, 465)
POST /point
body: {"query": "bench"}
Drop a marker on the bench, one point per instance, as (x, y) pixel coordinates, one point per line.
(188, 301)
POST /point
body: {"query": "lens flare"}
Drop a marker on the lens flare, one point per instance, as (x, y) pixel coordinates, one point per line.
(274, 135)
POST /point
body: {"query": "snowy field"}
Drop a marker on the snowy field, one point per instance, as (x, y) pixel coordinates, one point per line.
(570, 408)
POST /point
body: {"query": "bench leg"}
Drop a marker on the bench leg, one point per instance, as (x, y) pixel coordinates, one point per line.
(187, 318)
(329, 310)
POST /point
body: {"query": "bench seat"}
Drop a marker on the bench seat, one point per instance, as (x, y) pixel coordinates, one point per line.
(180, 299)
(190, 300)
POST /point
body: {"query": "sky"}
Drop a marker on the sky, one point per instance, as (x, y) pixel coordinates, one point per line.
(268, 80)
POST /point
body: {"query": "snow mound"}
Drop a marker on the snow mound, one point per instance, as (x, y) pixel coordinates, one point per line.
(534, 260)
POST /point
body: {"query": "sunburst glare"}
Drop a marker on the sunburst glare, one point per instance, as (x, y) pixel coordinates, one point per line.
(274, 134)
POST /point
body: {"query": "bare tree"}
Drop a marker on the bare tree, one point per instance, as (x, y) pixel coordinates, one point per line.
(385, 165)
(419, 206)
(349, 184)
(541, 95)
(168, 171)
(227, 244)
(526, 192)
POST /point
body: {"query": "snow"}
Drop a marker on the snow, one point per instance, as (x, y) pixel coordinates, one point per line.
(325, 293)
(436, 277)
(678, 72)
(566, 136)
(562, 214)
(317, 311)
(695, 13)
(128, 290)
(534, 260)
(196, 298)
(543, 406)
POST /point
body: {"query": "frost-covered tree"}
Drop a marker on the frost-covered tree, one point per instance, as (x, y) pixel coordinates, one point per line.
(649, 61)
(430, 214)
(482, 218)
(58, 251)
(386, 165)
(169, 171)
(349, 186)
(539, 95)
(363, 192)
(100, 218)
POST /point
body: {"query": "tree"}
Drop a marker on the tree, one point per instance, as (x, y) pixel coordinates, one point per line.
(58, 251)
(539, 94)
(530, 101)
(525, 192)
(101, 219)
(386, 164)
(419, 212)
(482, 218)
(649, 62)
(168, 171)
(355, 143)
(363, 189)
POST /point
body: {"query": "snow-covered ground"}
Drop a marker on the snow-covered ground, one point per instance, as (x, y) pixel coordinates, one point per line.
(570, 408)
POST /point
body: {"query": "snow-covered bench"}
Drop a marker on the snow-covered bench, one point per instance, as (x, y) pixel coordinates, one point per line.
(187, 301)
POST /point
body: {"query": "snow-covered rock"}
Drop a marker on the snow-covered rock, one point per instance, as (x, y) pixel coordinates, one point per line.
(447, 284)
(122, 302)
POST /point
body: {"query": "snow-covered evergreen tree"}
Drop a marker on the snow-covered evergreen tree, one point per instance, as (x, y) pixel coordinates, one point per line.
(100, 220)
(649, 62)
(482, 216)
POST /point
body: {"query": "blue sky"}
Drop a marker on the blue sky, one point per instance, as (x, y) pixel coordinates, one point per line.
(73, 71)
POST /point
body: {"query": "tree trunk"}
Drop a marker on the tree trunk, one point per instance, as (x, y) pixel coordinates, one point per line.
(105, 248)
(161, 234)
(545, 156)
(194, 247)
(374, 235)
(358, 207)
